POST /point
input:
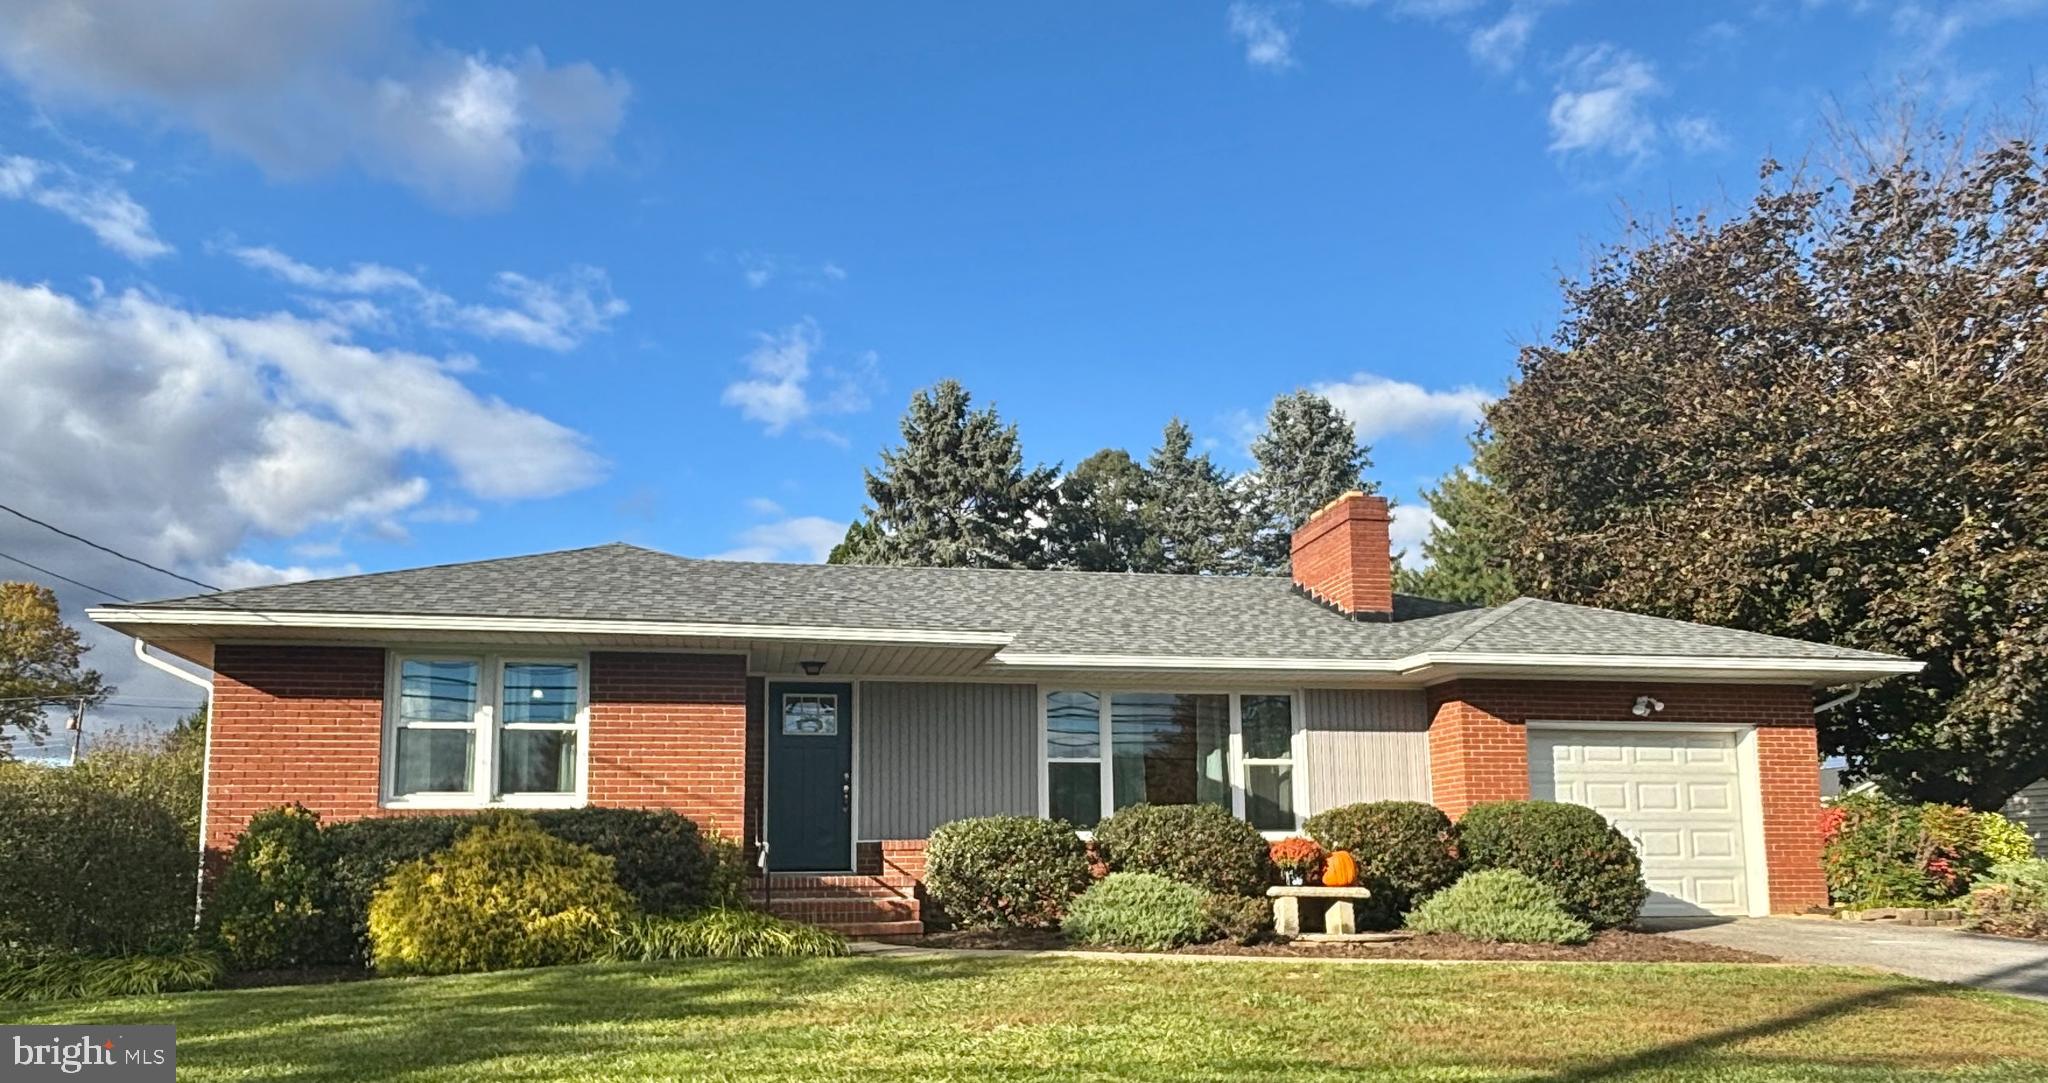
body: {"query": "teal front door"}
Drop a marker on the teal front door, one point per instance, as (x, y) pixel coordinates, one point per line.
(810, 777)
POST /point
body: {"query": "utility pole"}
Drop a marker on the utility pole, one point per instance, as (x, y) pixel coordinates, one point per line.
(77, 727)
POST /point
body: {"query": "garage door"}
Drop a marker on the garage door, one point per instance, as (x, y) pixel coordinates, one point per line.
(1678, 795)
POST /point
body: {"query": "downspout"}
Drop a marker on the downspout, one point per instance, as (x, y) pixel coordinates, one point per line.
(1854, 691)
(205, 764)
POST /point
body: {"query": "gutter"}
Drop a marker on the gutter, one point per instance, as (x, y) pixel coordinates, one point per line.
(1846, 697)
(205, 764)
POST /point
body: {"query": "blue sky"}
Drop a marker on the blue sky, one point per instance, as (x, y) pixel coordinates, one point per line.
(359, 285)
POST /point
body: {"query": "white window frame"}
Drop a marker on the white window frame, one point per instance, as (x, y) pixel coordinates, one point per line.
(1234, 761)
(483, 791)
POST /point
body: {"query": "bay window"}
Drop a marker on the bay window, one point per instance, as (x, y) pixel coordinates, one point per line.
(472, 730)
(1109, 750)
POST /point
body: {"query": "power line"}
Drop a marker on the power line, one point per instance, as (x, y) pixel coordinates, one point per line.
(65, 578)
(106, 549)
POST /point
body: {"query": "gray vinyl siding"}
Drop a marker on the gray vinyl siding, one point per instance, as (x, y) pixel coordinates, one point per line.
(2030, 808)
(930, 753)
(1366, 745)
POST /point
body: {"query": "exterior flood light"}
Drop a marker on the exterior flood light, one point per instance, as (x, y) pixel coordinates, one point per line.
(1646, 706)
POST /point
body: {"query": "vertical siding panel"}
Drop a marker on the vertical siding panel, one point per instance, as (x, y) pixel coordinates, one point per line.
(933, 752)
(2030, 808)
(1366, 745)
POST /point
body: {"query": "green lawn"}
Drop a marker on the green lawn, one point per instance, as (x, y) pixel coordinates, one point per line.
(981, 1018)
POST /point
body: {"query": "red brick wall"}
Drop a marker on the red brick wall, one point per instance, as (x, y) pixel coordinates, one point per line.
(306, 724)
(302, 724)
(669, 731)
(1341, 555)
(1479, 751)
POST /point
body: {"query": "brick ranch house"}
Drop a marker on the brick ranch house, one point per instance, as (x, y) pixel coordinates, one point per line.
(831, 716)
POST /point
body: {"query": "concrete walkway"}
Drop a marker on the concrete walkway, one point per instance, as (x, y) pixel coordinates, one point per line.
(2019, 967)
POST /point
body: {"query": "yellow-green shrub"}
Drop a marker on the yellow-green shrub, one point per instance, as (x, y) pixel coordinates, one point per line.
(505, 895)
(2001, 840)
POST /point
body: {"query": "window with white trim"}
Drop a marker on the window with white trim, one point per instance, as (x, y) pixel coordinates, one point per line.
(1109, 750)
(485, 729)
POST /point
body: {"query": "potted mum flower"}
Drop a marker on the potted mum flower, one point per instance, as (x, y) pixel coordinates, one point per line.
(1296, 858)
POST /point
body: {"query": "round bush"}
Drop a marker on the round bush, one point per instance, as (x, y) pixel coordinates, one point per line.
(663, 861)
(1406, 849)
(1139, 910)
(1203, 845)
(507, 894)
(1570, 847)
(364, 853)
(1002, 871)
(1240, 919)
(274, 907)
(1503, 906)
(86, 870)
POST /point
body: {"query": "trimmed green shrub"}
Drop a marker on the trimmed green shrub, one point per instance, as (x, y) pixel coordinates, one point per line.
(364, 853)
(274, 907)
(1139, 910)
(1203, 845)
(663, 861)
(1503, 906)
(85, 870)
(2011, 899)
(1404, 849)
(506, 895)
(1005, 871)
(722, 933)
(2002, 841)
(1241, 919)
(1570, 847)
(70, 977)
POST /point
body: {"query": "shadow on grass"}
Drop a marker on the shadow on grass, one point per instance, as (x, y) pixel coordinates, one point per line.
(1676, 1054)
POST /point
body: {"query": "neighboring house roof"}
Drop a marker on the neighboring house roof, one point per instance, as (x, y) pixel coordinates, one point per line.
(1054, 618)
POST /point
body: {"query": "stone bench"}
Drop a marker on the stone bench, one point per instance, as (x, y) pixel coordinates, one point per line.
(1340, 908)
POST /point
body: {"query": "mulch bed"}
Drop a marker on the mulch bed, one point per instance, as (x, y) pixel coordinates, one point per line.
(312, 975)
(1611, 946)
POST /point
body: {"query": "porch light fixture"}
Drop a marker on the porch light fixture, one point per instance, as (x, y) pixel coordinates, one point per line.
(812, 668)
(1646, 706)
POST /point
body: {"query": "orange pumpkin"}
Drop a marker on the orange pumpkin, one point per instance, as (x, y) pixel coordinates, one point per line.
(1340, 870)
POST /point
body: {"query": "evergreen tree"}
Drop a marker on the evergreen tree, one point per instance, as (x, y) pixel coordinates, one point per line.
(1466, 563)
(955, 494)
(1308, 455)
(1191, 515)
(1098, 523)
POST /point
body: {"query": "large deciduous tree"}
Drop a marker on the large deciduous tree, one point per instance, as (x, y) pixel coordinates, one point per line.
(41, 664)
(955, 494)
(1825, 417)
(1307, 456)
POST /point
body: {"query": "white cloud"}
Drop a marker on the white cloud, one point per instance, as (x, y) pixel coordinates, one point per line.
(305, 87)
(757, 269)
(1699, 134)
(1499, 44)
(806, 539)
(761, 505)
(1602, 103)
(1411, 526)
(104, 208)
(1380, 407)
(185, 438)
(557, 313)
(1268, 40)
(779, 392)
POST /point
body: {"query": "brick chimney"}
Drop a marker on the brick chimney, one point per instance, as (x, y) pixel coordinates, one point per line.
(1343, 557)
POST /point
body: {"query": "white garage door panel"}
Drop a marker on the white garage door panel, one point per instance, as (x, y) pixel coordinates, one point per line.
(1675, 794)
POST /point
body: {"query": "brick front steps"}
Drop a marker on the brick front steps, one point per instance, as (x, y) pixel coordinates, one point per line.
(879, 899)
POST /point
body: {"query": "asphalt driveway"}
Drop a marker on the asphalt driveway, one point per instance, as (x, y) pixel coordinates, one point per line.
(2019, 967)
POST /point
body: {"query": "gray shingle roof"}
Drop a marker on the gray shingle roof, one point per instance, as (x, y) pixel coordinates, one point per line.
(1056, 612)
